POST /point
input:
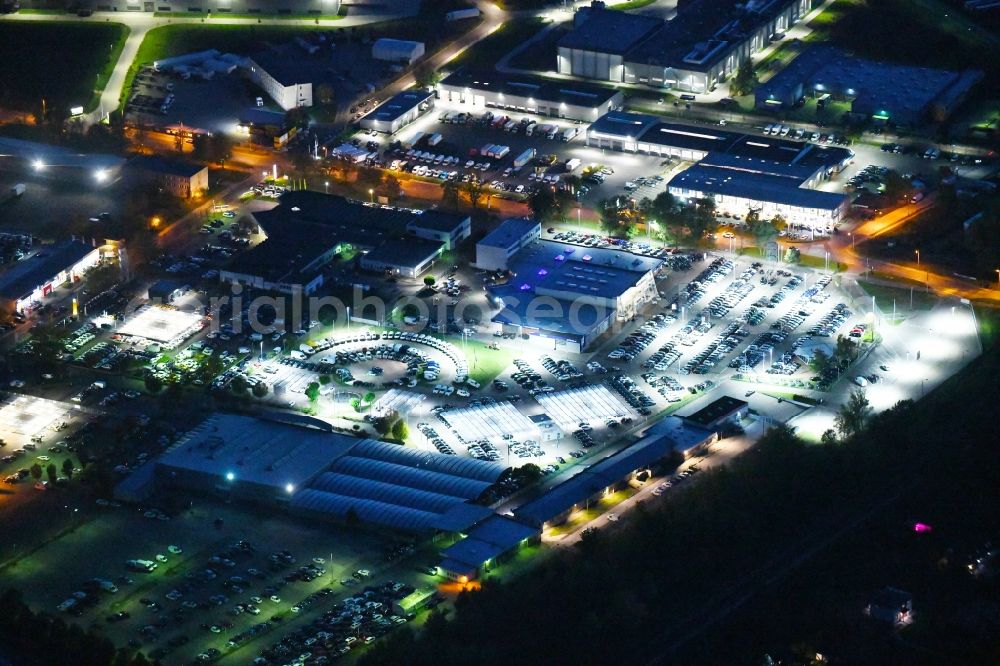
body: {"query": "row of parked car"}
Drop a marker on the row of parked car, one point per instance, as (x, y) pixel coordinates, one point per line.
(777, 129)
(595, 241)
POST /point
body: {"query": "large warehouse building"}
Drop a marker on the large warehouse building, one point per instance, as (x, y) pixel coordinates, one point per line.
(559, 99)
(899, 94)
(772, 175)
(704, 44)
(279, 74)
(599, 42)
(298, 463)
(398, 111)
(565, 297)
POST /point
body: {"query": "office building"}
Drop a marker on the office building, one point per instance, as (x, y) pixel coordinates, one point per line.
(181, 178)
(495, 250)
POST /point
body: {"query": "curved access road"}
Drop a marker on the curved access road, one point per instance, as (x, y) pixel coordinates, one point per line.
(140, 23)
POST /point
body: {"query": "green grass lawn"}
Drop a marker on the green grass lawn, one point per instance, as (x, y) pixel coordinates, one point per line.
(821, 24)
(811, 261)
(487, 52)
(632, 4)
(584, 516)
(901, 281)
(221, 15)
(42, 12)
(926, 33)
(171, 40)
(988, 320)
(484, 363)
(81, 54)
(885, 295)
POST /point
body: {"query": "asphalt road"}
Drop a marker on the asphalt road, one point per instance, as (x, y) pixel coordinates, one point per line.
(140, 23)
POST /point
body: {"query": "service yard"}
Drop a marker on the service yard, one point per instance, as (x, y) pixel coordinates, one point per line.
(459, 154)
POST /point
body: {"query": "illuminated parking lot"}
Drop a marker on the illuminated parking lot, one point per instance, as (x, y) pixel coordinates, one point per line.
(591, 404)
(163, 325)
(27, 416)
(494, 422)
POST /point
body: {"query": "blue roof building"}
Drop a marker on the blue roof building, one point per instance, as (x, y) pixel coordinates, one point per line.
(601, 478)
(771, 189)
(484, 545)
(567, 296)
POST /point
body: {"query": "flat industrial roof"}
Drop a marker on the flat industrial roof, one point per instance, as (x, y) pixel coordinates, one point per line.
(436, 220)
(472, 552)
(39, 268)
(879, 85)
(286, 65)
(609, 31)
(283, 257)
(683, 436)
(702, 32)
(398, 105)
(651, 129)
(305, 225)
(510, 231)
(704, 139)
(364, 223)
(409, 253)
(258, 116)
(623, 124)
(569, 92)
(753, 186)
(717, 409)
(502, 531)
(795, 172)
(257, 451)
(549, 266)
(157, 164)
(594, 479)
(520, 309)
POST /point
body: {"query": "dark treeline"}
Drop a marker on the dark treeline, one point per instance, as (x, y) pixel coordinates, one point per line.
(29, 638)
(626, 594)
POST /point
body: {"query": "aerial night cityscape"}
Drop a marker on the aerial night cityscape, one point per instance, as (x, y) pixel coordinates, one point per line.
(493, 332)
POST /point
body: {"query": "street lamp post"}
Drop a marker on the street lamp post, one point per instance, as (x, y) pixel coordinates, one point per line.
(997, 271)
(918, 257)
(371, 195)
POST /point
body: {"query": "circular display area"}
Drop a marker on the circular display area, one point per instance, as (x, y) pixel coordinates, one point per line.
(390, 359)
